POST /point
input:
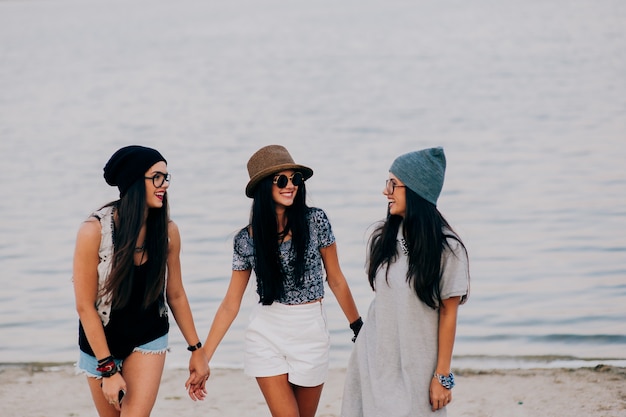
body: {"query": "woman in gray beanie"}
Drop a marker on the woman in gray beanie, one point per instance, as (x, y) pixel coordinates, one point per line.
(418, 267)
(126, 272)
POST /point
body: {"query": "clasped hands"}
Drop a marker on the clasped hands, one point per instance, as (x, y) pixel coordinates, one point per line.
(199, 372)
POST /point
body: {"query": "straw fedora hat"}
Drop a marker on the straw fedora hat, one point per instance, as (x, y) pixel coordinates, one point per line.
(270, 160)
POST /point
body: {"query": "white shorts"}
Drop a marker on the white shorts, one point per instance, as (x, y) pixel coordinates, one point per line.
(288, 339)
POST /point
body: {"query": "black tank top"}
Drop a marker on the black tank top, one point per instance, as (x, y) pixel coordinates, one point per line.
(132, 325)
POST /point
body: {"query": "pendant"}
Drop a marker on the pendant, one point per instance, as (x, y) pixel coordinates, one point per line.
(404, 246)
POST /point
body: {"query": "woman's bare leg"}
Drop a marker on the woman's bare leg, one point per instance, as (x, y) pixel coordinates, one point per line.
(308, 398)
(142, 373)
(287, 400)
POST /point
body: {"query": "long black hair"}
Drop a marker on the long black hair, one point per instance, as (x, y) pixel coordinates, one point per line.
(425, 232)
(269, 271)
(129, 216)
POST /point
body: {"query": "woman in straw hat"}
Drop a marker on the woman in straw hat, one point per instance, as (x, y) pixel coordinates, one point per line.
(418, 268)
(290, 247)
(126, 270)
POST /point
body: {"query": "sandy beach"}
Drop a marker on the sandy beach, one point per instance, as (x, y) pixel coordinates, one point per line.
(36, 390)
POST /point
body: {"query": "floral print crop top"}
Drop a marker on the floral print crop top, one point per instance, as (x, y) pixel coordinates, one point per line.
(312, 288)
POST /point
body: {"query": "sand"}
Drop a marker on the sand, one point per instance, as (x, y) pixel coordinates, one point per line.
(38, 390)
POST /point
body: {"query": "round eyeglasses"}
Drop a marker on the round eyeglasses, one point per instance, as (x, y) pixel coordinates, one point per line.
(390, 186)
(159, 179)
(282, 180)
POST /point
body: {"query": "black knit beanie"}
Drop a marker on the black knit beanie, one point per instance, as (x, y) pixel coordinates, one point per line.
(129, 164)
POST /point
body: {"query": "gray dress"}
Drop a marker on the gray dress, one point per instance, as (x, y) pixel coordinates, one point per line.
(395, 355)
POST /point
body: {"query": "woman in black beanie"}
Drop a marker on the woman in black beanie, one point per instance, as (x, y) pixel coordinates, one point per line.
(126, 272)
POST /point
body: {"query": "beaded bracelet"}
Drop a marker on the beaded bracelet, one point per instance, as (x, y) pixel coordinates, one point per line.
(107, 367)
(445, 381)
(197, 346)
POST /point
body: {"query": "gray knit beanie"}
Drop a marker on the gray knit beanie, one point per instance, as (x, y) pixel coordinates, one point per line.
(422, 171)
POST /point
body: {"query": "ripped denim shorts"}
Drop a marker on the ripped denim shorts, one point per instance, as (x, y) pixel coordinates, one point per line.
(87, 364)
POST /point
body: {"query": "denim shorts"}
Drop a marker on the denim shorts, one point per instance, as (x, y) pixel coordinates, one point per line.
(87, 364)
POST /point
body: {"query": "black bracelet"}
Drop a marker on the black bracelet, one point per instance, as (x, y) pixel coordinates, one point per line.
(197, 346)
(356, 324)
(356, 327)
(105, 360)
(108, 374)
(107, 367)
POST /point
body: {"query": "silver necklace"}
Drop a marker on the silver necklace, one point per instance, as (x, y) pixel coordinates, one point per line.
(404, 246)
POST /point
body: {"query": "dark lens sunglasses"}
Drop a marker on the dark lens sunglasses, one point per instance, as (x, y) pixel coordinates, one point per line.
(282, 180)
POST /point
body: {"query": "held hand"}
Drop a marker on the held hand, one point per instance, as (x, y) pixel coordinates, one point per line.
(439, 396)
(198, 375)
(197, 391)
(198, 367)
(111, 388)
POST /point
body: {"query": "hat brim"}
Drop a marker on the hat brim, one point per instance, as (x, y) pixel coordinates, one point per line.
(254, 181)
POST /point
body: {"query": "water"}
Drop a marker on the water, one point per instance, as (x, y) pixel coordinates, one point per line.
(527, 97)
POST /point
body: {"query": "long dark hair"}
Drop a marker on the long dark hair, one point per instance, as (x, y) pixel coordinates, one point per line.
(425, 232)
(129, 218)
(270, 274)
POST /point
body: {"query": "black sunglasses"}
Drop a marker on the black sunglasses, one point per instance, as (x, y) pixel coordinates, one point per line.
(282, 180)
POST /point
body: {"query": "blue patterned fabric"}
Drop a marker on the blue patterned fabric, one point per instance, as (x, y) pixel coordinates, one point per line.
(312, 288)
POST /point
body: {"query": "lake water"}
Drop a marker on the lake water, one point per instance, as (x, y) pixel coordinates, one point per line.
(528, 99)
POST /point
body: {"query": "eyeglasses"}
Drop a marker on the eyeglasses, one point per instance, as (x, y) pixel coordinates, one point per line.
(390, 186)
(282, 180)
(159, 179)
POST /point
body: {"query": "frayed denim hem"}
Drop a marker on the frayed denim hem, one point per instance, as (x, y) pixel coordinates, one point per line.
(80, 371)
(151, 351)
